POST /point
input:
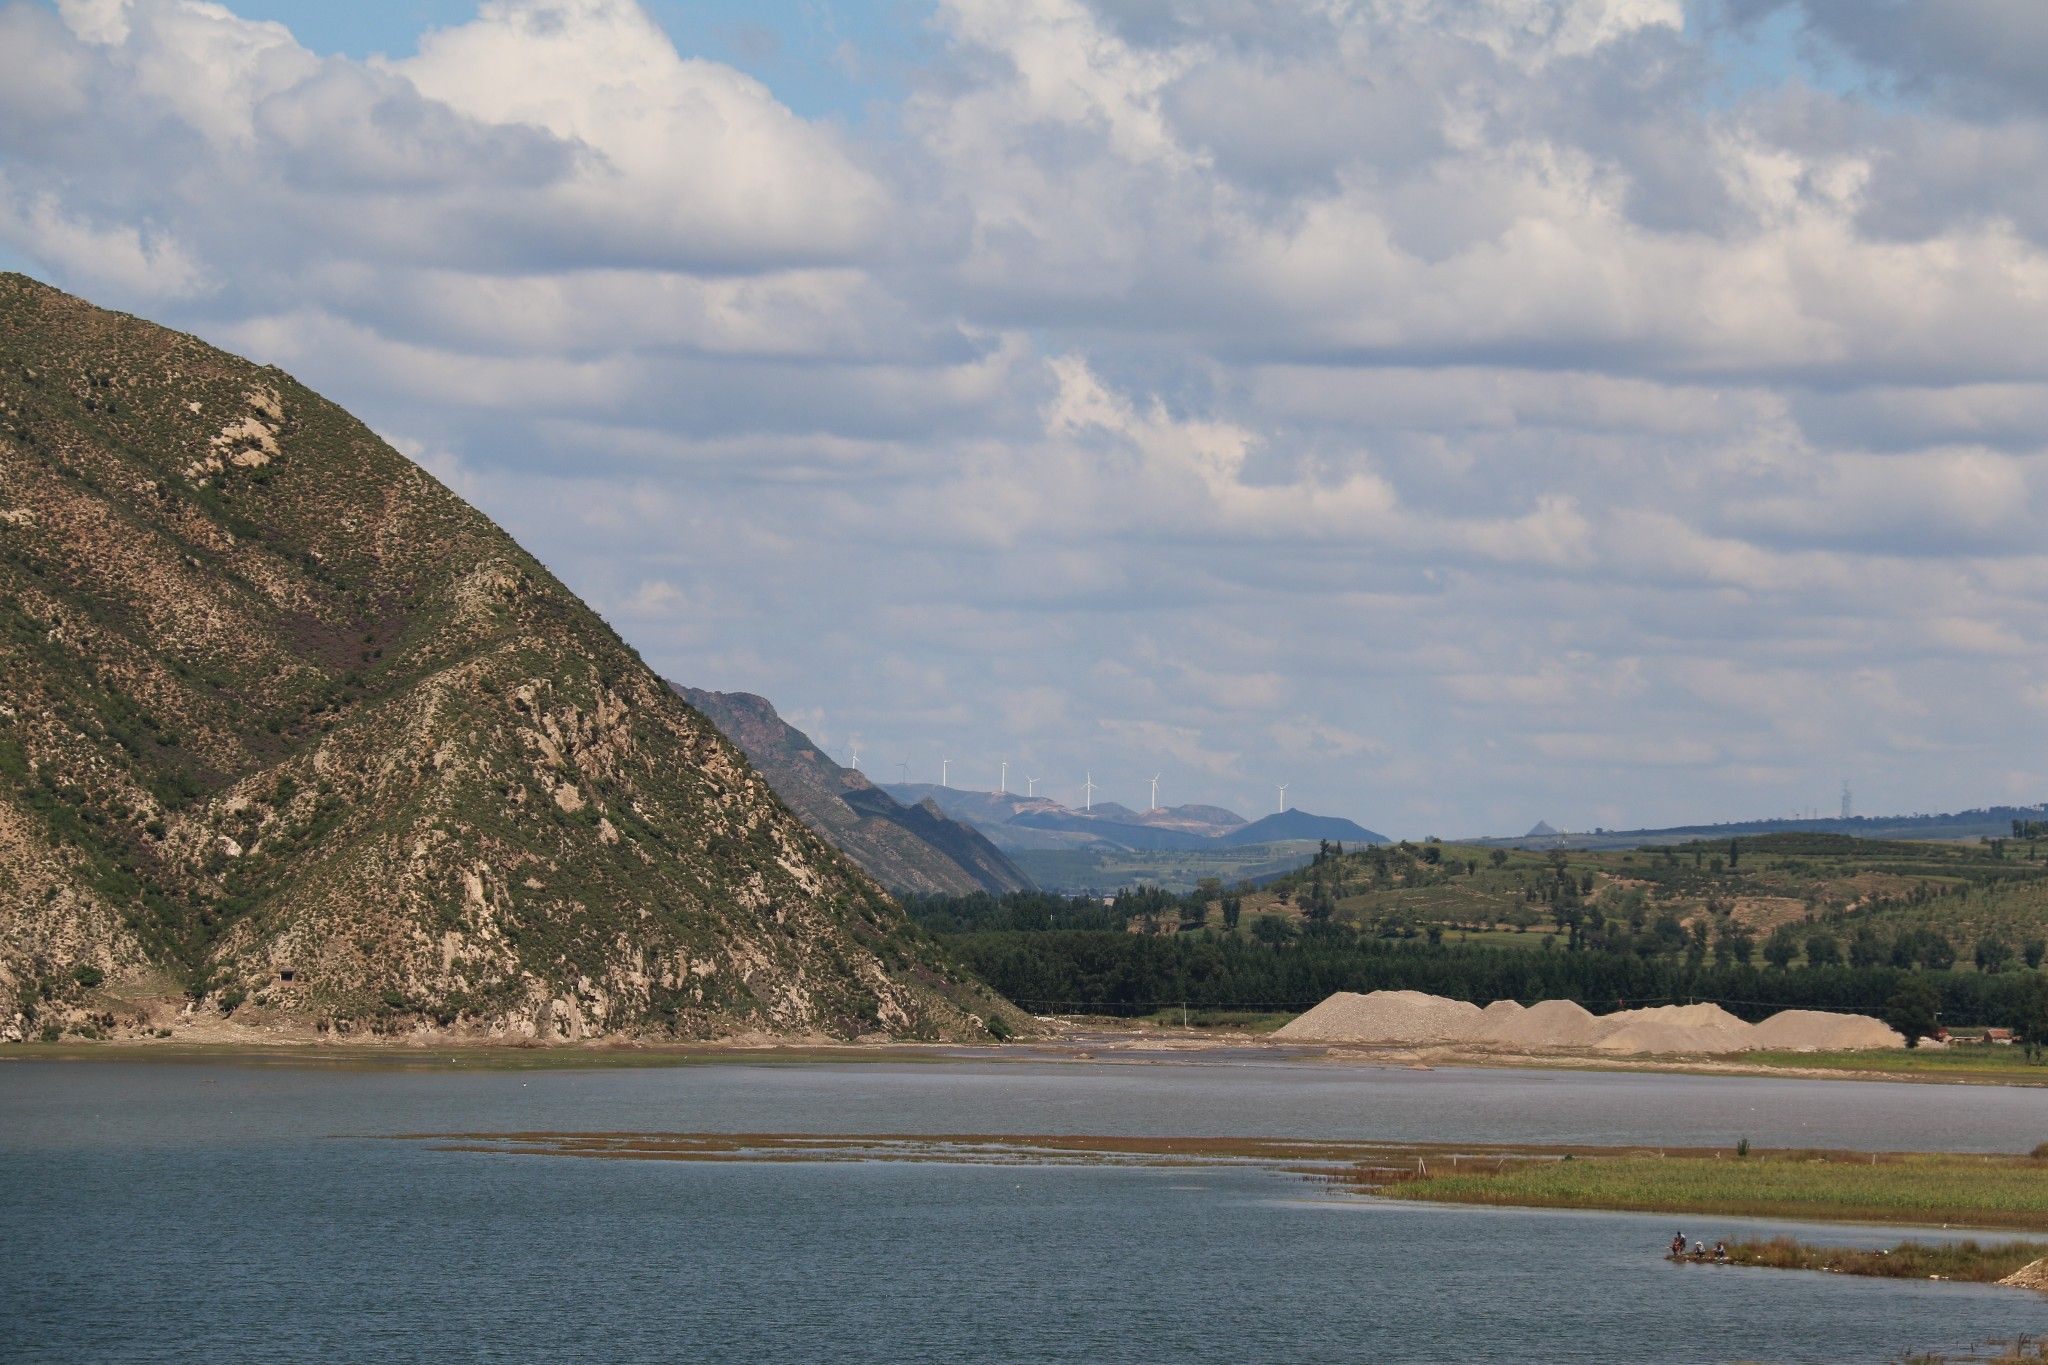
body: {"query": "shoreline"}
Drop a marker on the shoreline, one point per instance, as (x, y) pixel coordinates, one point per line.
(1079, 1044)
(1933, 1190)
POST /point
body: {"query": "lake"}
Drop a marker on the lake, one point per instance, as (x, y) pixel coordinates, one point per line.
(226, 1213)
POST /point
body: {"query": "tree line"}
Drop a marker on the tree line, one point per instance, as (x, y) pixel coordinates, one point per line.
(1094, 970)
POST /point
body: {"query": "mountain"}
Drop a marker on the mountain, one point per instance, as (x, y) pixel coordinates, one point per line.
(914, 848)
(981, 809)
(1128, 833)
(288, 730)
(1984, 822)
(1031, 825)
(1299, 824)
(1197, 819)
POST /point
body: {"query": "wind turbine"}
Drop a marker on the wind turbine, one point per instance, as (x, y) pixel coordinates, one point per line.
(1031, 786)
(1003, 782)
(1088, 792)
(1283, 798)
(856, 758)
(905, 765)
(943, 761)
(1155, 793)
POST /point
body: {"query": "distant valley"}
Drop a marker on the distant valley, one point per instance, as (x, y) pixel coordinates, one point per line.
(1109, 845)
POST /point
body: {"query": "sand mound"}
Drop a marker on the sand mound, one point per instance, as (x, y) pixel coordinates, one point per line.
(1816, 1031)
(1385, 1017)
(1548, 1023)
(1674, 1028)
(1415, 1018)
(1655, 1035)
(1686, 1016)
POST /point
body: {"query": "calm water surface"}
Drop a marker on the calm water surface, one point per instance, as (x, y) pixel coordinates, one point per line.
(166, 1212)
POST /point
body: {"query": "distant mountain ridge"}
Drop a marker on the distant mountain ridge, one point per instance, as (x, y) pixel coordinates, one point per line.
(1984, 822)
(911, 847)
(1026, 823)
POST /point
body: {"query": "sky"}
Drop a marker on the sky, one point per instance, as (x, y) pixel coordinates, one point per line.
(1612, 412)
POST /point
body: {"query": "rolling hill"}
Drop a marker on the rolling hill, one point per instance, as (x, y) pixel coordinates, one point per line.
(1299, 824)
(291, 733)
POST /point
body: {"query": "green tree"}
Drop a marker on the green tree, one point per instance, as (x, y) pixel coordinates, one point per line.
(1233, 910)
(1272, 930)
(2031, 1021)
(2033, 951)
(1914, 1009)
(1867, 948)
(1993, 953)
(1782, 946)
(1497, 857)
(1823, 949)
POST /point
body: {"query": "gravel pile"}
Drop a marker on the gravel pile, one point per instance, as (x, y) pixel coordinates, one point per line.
(1385, 1017)
(1545, 1024)
(1415, 1018)
(1674, 1028)
(1655, 1035)
(1813, 1031)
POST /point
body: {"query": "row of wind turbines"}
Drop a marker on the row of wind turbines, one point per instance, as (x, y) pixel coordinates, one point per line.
(1089, 785)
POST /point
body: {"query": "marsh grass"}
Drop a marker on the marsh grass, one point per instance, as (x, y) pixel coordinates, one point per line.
(1923, 1188)
(1978, 1262)
(2006, 1064)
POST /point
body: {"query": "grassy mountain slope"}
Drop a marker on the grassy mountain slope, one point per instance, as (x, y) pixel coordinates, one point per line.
(1724, 895)
(285, 722)
(911, 848)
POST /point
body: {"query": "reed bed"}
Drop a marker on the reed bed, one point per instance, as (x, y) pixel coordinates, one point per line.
(1981, 1263)
(1913, 1188)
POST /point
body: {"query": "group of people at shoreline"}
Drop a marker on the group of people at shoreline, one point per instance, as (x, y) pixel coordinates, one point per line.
(1699, 1250)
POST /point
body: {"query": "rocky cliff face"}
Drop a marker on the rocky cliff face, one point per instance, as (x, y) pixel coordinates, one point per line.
(906, 848)
(285, 723)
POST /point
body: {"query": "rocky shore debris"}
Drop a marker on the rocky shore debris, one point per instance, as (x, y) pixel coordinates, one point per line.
(2031, 1276)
